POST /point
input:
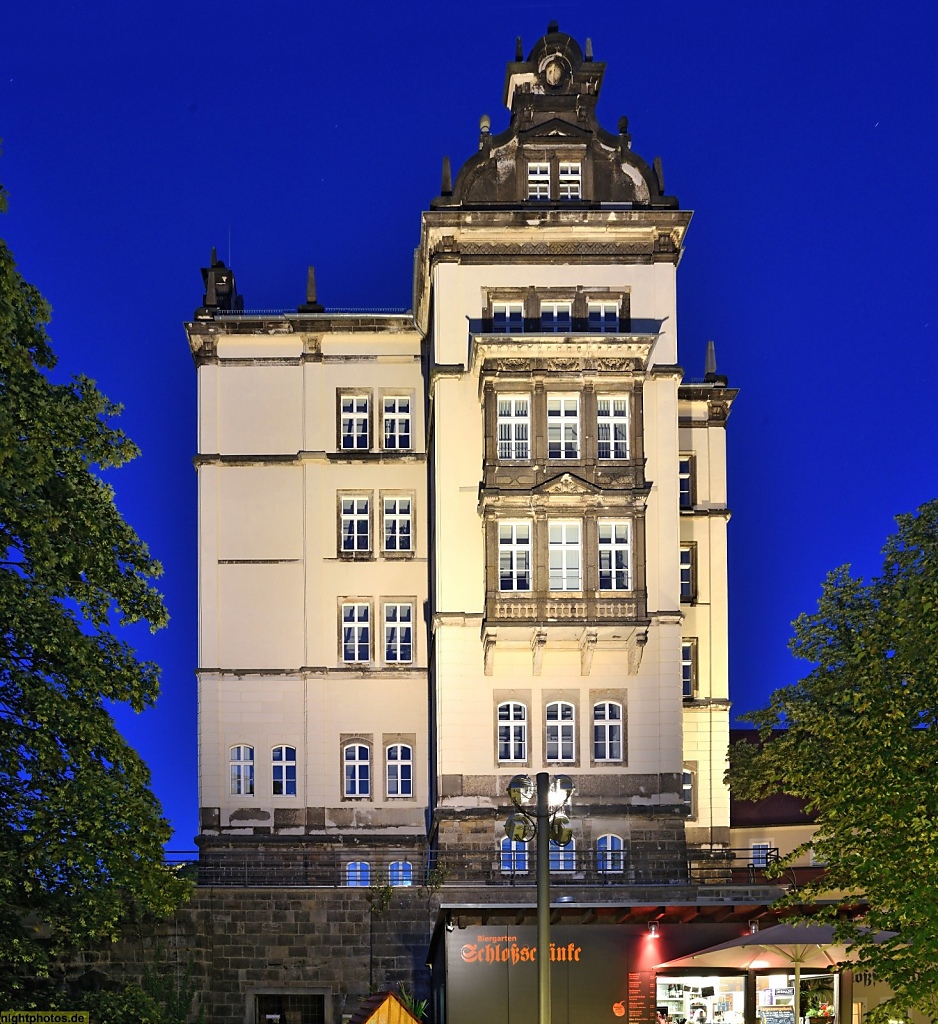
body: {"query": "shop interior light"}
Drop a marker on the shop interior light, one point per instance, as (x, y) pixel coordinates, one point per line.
(753, 927)
(653, 929)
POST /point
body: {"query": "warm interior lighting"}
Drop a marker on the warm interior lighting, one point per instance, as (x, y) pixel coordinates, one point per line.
(753, 927)
(653, 929)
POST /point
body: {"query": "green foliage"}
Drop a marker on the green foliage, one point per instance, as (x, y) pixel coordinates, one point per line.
(415, 1007)
(81, 834)
(861, 747)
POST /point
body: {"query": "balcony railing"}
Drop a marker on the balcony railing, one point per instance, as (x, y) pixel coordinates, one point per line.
(334, 866)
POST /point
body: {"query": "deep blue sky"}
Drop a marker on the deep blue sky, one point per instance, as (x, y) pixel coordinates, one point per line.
(135, 137)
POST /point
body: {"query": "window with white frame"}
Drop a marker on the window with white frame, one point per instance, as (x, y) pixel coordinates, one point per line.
(612, 426)
(556, 317)
(397, 524)
(603, 317)
(563, 427)
(356, 523)
(512, 731)
(398, 634)
(283, 771)
(569, 180)
(610, 855)
(688, 582)
(358, 873)
(507, 317)
(401, 873)
(241, 759)
(607, 731)
(400, 768)
(354, 421)
(563, 858)
(356, 632)
(356, 760)
(689, 667)
(514, 427)
(397, 423)
(514, 856)
(564, 561)
(538, 181)
(561, 731)
(685, 480)
(614, 542)
(687, 791)
(759, 854)
(514, 557)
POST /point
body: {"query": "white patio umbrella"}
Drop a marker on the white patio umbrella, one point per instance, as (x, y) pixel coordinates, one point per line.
(781, 946)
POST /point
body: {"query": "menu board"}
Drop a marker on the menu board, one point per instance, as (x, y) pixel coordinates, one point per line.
(777, 1014)
(642, 998)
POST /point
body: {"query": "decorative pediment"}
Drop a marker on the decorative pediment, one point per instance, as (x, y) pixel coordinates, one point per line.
(566, 483)
(555, 128)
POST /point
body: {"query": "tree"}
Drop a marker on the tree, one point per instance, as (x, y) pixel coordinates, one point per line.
(81, 834)
(860, 746)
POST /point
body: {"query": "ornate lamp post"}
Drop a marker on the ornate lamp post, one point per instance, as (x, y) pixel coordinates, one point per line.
(547, 821)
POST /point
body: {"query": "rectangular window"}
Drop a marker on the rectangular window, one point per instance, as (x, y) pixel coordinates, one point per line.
(685, 477)
(570, 176)
(538, 181)
(514, 427)
(563, 427)
(561, 734)
(607, 731)
(614, 546)
(556, 317)
(357, 763)
(242, 770)
(688, 667)
(355, 423)
(356, 633)
(282, 1007)
(507, 317)
(397, 424)
(612, 426)
(397, 524)
(760, 854)
(356, 523)
(688, 581)
(398, 633)
(563, 858)
(514, 556)
(687, 792)
(603, 317)
(564, 556)
(283, 771)
(512, 732)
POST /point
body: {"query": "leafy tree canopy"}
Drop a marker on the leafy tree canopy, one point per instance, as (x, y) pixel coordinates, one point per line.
(860, 746)
(81, 834)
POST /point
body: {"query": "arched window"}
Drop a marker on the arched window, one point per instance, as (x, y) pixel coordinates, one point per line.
(400, 766)
(512, 732)
(283, 771)
(514, 856)
(357, 763)
(607, 731)
(609, 854)
(561, 731)
(563, 858)
(358, 873)
(401, 872)
(241, 760)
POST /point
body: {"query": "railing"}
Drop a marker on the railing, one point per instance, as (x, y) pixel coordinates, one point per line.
(334, 865)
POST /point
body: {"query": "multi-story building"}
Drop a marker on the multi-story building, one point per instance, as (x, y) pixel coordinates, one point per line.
(484, 537)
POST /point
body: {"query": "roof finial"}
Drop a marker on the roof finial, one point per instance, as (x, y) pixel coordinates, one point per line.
(552, 26)
(446, 188)
(589, 49)
(311, 305)
(710, 366)
(519, 49)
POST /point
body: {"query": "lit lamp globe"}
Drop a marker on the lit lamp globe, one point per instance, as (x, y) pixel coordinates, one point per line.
(561, 790)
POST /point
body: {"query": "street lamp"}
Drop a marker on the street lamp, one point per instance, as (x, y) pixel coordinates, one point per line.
(546, 821)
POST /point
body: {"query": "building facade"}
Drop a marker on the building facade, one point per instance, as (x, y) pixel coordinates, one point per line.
(484, 537)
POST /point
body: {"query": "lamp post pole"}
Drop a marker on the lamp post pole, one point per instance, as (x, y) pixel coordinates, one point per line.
(543, 899)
